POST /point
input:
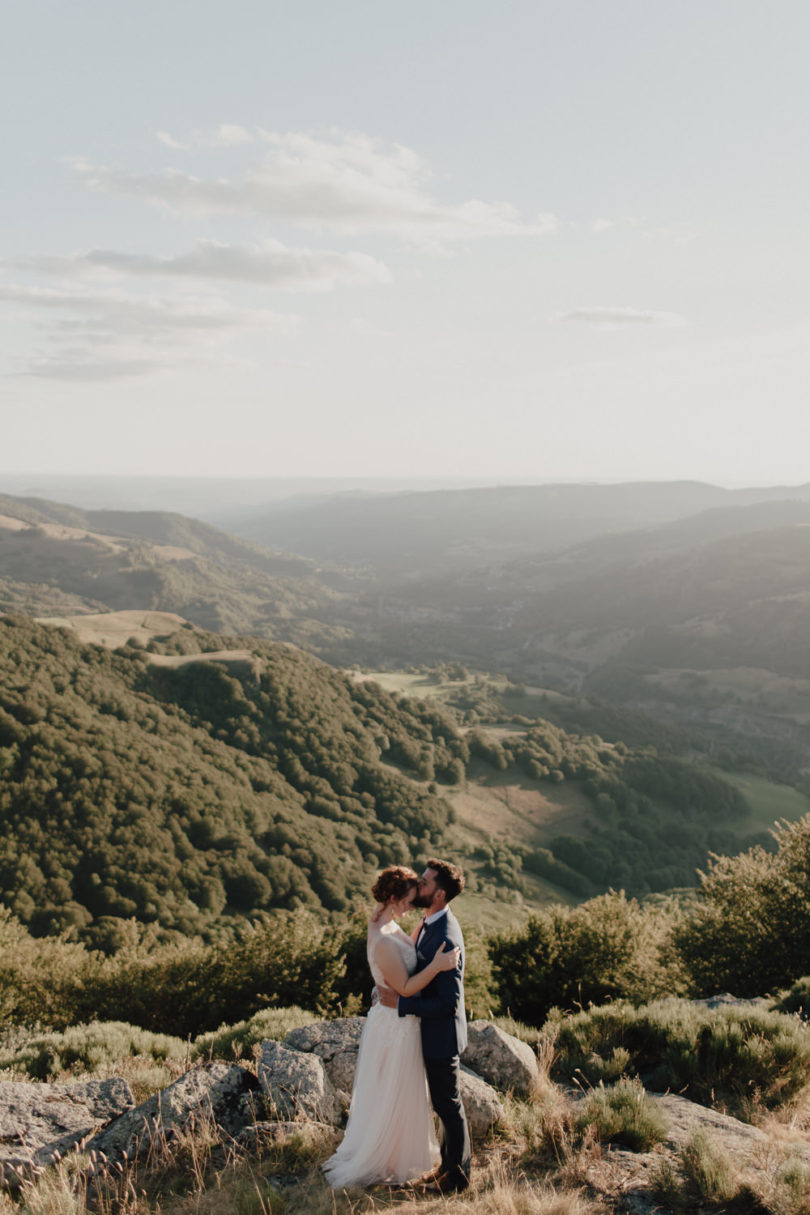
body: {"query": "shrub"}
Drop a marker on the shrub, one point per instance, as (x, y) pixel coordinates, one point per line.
(750, 932)
(182, 989)
(623, 1114)
(708, 1169)
(231, 1041)
(731, 1058)
(607, 948)
(796, 1000)
(88, 1048)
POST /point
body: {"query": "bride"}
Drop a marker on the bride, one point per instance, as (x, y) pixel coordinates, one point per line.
(389, 1136)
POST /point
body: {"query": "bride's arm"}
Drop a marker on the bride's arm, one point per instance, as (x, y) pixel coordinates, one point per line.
(389, 960)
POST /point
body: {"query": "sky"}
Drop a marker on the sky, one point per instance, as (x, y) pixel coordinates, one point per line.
(529, 240)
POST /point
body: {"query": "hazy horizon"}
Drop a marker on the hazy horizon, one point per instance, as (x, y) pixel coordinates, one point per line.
(537, 243)
(236, 496)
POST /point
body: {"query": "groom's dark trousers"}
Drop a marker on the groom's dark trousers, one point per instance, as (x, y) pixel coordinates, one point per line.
(440, 1007)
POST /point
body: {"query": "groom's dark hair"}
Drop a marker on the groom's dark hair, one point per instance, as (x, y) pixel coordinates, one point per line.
(448, 876)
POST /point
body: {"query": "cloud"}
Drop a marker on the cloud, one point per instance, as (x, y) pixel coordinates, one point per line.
(269, 263)
(78, 366)
(616, 318)
(605, 225)
(170, 142)
(107, 334)
(346, 184)
(228, 135)
(152, 314)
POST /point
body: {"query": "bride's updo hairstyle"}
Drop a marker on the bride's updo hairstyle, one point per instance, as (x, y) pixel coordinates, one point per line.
(393, 884)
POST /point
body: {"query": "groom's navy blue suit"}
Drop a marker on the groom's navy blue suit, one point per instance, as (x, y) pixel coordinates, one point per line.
(440, 1007)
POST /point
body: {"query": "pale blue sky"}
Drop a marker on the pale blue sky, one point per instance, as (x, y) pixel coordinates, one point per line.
(527, 240)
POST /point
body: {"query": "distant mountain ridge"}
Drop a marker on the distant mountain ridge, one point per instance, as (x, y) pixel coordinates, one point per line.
(425, 532)
(550, 584)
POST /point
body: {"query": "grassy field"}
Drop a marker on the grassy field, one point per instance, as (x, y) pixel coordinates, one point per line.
(113, 629)
(767, 800)
(425, 686)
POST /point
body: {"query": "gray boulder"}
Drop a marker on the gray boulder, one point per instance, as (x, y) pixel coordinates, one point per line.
(40, 1122)
(727, 1000)
(482, 1104)
(296, 1085)
(336, 1044)
(502, 1060)
(217, 1094)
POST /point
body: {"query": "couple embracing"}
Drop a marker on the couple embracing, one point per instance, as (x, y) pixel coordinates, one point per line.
(411, 1042)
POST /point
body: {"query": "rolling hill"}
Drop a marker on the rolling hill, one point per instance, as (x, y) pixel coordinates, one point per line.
(184, 791)
(59, 560)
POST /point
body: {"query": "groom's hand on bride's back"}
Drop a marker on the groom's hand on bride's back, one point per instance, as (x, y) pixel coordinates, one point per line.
(387, 996)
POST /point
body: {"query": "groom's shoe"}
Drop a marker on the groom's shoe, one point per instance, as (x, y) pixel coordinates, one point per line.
(428, 1178)
(448, 1183)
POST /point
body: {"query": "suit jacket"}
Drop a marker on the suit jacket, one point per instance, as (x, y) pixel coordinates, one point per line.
(440, 1005)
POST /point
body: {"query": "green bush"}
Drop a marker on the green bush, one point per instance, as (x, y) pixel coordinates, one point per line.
(727, 1057)
(708, 1169)
(88, 1048)
(796, 1000)
(236, 1041)
(624, 1115)
(182, 989)
(607, 948)
(102, 1045)
(750, 931)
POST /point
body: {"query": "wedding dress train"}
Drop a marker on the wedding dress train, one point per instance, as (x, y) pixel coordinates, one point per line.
(389, 1136)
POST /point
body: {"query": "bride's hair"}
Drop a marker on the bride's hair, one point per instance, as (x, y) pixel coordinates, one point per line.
(393, 883)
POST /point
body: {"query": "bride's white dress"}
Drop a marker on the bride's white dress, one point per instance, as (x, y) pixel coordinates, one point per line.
(389, 1136)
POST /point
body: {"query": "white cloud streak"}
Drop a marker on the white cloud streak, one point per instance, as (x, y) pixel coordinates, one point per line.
(619, 318)
(347, 184)
(165, 138)
(269, 263)
(108, 335)
(228, 135)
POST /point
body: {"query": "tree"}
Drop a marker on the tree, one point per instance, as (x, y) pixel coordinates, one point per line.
(750, 932)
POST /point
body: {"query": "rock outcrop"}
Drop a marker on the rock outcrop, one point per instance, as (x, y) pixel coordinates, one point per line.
(501, 1059)
(295, 1084)
(41, 1122)
(336, 1044)
(306, 1079)
(481, 1103)
(217, 1093)
(627, 1180)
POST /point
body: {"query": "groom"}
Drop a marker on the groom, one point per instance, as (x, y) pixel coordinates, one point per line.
(443, 1022)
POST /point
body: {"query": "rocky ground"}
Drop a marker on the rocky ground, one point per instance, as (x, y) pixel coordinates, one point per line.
(299, 1092)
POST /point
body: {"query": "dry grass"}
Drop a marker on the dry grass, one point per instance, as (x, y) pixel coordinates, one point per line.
(542, 1160)
(195, 1174)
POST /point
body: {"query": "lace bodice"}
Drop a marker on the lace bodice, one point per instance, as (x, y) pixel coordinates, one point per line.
(404, 944)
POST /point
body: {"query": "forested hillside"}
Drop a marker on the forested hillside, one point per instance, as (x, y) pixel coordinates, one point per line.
(180, 796)
(185, 789)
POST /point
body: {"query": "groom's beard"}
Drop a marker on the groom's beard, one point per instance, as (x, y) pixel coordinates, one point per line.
(421, 900)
